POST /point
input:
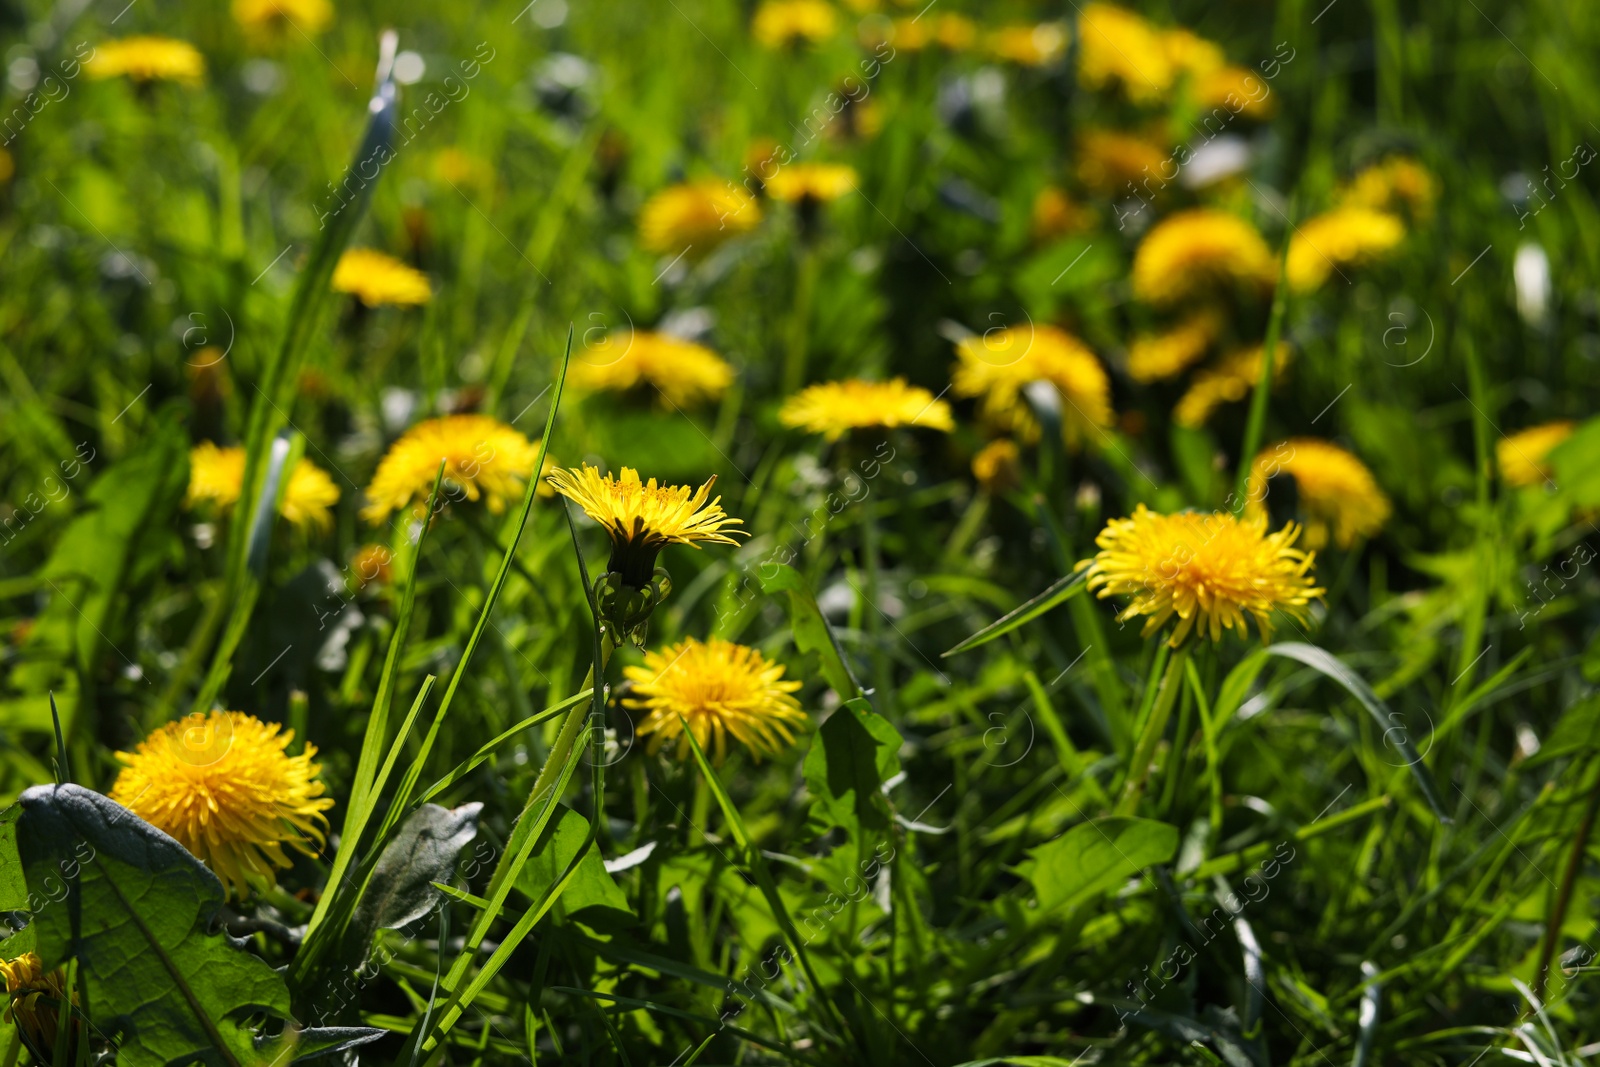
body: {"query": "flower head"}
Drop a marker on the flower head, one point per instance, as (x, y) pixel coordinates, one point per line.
(719, 689)
(997, 365)
(1029, 46)
(1154, 357)
(453, 166)
(643, 517)
(376, 279)
(1339, 497)
(1207, 569)
(1191, 250)
(216, 477)
(1055, 215)
(35, 995)
(226, 788)
(835, 408)
(1342, 236)
(997, 466)
(1235, 87)
(483, 457)
(815, 182)
(686, 374)
(1522, 456)
(1396, 181)
(1230, 380)
(146, 59)
(1115, 46)
(696, 215)
(274, 19)
(778, 23)
(1191, 54)
(1109, 160)
(371, 564)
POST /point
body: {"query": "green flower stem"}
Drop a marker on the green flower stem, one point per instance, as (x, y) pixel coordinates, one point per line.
(1154, 727)
(794, 357)
(881, 676)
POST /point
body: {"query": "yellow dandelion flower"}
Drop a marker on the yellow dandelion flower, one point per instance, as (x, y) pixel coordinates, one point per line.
(1055, 215)
(835, 408)
(778, 23)
(35, 995)
(998, 466)
(642, 518)
(1239, 89)
(1109, 160)
(697, 216)
(371, 564)
(1156, 357)
(452, 166)
(955, 33)
(1343, 236)
(1395, 181)
(275, 19)
(146, 59)
(376, 279)
(818, 182)
(483, 458)
(1192, 54)
(1209, 570)
(1190, 251)
(226, 788)
(1522, 456)
(720, 689)
(1030, 46)
(997, 365)
(685, 373)
(1115, 46)
(216, 477)
(1230, 380)
(1339, 497)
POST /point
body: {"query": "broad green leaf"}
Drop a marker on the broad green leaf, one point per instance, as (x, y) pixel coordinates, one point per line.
(1058, 593)
(852, 755)
(139, 913)
(1576, 732)
(590, 887)
(1094, 856)
(1575, 465)
(423, 851)
(811, 630)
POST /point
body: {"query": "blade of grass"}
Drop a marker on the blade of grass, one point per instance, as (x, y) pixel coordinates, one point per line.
(1257, 422)
(1058, 593)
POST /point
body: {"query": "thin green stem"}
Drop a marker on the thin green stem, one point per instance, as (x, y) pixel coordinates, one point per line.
(1154, 727)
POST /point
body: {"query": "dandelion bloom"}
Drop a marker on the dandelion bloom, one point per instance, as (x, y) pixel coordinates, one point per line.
(955, 33)
(1029, 46)
(1109, 160)
(685, 373)
(1230, 380)
(1207, 569)
(371, 563)
(34, 998)
(835, 408)
(1342, 236)
(997, 466)
(719, 689)
(1055, 215)
(1522, 455)
(452, 166)
(146, 59)
(376, 279)
(1156, 357)
(1339, 497)
(1192, 54)
(998, 364)
(1115, 46)
(1395, 181)
(483, 458)
(275, 18)
(818, 182)
(696, 217)
(643, 517)
(226, 788)
(783, 22)
(1239, 89)
(216, 477)
(1187, 252)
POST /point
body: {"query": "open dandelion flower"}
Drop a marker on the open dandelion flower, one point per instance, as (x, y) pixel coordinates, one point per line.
(719, 689)
(643, 517)
(815, 182)
(1209, 570)
(483, 458)
(1235, 88)
(1339, 497)
(226, 788)
(778, 23)
(997, 365)
(1115, 46)
(34, 998)
(686, 374)
(1156, 357)
(835, 408)
(147, 59)
(278, 19)
(1108, 161)
(1055, 215)
(1521, 456)
(696, 217)
(1190, 251)
(1230, 380)
(997, 466)
(216, 477)
(1030, 46)
(376, 279)
(371, 564)
(1397, 181)
(1343, 236)
(1191, 54)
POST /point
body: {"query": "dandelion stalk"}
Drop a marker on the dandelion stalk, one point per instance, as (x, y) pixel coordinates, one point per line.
(1154, 727)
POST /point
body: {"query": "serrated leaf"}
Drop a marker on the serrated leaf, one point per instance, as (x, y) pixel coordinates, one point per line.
(1094, 856)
